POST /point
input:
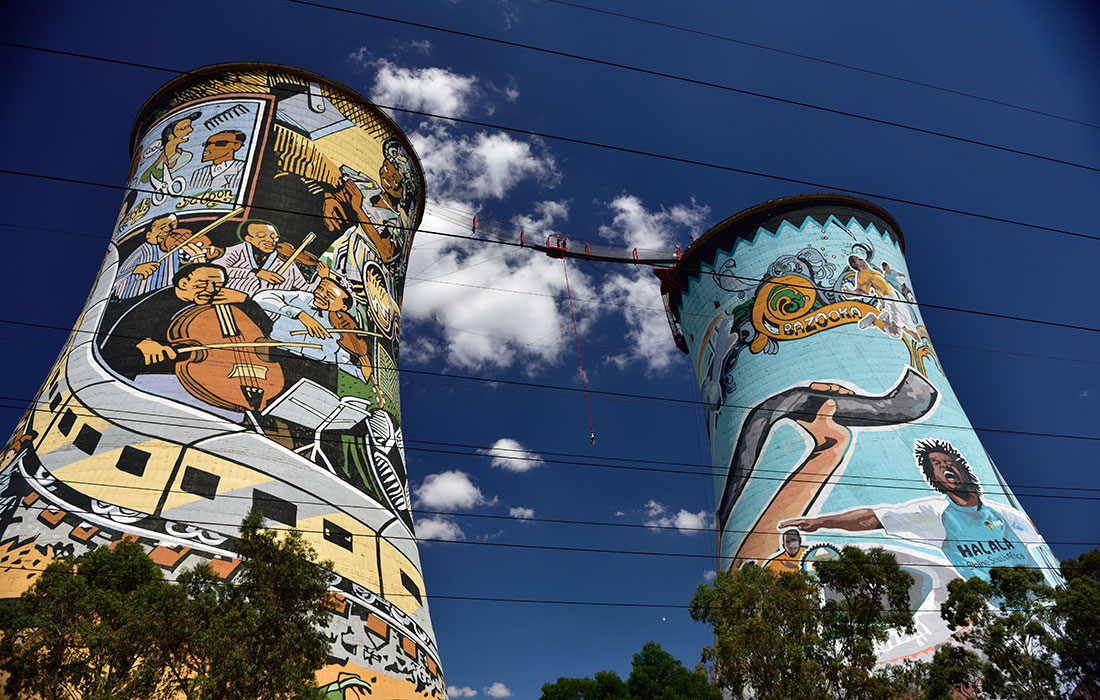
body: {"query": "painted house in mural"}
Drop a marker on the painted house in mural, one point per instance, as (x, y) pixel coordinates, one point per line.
(831, 422)
(239, 349)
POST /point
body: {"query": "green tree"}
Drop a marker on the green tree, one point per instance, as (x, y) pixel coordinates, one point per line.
(765, 630)
(655, 675)
(1077, 608)
(795, 635)
(866, 596)
(1009, 628)
(110, 626)
(82, 629)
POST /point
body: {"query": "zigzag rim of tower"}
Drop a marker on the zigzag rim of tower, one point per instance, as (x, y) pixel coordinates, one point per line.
(769, 216)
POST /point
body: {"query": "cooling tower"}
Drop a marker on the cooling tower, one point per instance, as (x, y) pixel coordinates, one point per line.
(239, 350)
(831, 422)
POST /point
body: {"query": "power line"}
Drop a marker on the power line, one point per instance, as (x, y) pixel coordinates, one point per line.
(543, 547)
(867, 535)
(610, 147)
(701, 83)
(489, 599)
(650, 397)
(435, 321)
(788, 477)
(988, 314)
(825, 61)
(492, 452)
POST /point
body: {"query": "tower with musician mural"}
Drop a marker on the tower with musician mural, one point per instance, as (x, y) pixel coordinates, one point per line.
(831, 422)
(239, 350)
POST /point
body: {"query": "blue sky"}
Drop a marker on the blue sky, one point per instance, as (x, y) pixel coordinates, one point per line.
(71, 118)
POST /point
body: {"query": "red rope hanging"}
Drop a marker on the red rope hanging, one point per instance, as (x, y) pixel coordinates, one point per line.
(580, 360)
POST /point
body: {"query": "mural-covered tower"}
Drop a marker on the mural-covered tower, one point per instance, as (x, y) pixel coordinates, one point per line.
(239, 349)
(831, 422)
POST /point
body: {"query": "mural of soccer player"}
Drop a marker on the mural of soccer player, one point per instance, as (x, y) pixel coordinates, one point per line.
(253, 264)
(827, 413)
(974, 534)
(893, 317)
(172, 157)
(223, 172)
(790, 557)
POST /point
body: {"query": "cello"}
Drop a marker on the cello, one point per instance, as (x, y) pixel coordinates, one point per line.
(227, 362)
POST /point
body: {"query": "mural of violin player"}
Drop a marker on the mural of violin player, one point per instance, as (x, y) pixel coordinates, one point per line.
(239, 349)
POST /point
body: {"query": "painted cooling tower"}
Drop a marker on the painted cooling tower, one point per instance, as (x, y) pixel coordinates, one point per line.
(830, 419)
(239, 349)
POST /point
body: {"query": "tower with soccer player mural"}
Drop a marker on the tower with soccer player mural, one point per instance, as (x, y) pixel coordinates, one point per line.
(831, 422)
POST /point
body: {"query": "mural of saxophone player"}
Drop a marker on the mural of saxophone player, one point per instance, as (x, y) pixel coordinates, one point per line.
(972, 533)
(828, 413)
(372, 215)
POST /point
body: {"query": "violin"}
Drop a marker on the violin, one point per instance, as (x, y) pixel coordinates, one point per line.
(191, 248)
(355, 345)
(224, 358)
(286, 252)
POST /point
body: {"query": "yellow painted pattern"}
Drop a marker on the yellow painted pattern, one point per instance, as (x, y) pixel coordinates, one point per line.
(360, 564)
(233, 476)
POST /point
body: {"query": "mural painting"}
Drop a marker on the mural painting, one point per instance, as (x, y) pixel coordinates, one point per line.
(831, 422)
(240, 349)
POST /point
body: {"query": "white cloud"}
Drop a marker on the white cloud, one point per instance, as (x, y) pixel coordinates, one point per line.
(497, 690)
(684, 521)
(637, 291)
(422, 45)
(438, 528)
(434, 90)
(521, 513)
(709, 575)
(510, 455)
(450, 489)
(461, 691)
(648, 338)
(482, 166)
(619, 514)
(653, 508)
(637, 227)
(492, 306)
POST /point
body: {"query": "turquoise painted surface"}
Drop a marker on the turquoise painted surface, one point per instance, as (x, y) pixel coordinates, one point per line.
(827, 403)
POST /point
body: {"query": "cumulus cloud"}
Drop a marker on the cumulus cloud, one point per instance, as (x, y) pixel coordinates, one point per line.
(490, 306)
(521, 513)
(497, 690)
(637, 291)
(709, 575)
(482, 165)
(450, 489)
(510, 455)
(461, 691)
(433, 89)
(635, 226)
(438, 528)
(658, 515)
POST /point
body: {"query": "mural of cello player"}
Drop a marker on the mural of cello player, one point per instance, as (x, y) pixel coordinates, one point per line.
(239, 350)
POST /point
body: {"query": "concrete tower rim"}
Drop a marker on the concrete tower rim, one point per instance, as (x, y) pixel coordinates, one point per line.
(214, 68)
(748, 220)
